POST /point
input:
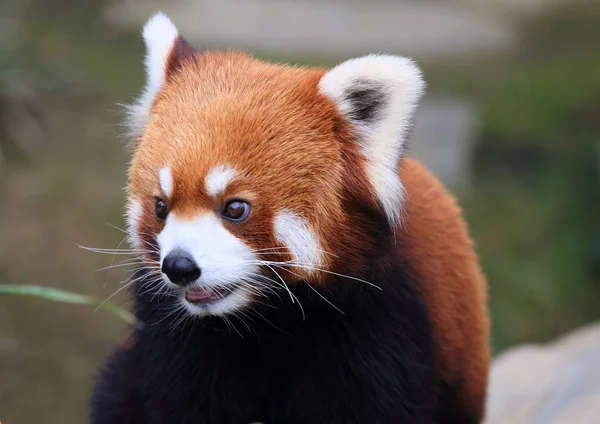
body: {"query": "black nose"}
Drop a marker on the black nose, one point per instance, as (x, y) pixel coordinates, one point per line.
(180, 267)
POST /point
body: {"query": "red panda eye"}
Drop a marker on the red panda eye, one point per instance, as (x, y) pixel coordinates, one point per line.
(160, 209)
(236, 210)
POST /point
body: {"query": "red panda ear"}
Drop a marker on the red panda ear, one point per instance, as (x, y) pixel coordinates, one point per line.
(165, 50)
(378, 94)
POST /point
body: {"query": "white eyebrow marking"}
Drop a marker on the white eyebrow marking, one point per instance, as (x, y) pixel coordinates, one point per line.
(218, 178)
(166, 181)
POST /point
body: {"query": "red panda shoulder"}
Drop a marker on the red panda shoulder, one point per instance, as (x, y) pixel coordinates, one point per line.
(435, 243)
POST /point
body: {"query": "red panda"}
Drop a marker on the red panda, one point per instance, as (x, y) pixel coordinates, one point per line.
(297, 266)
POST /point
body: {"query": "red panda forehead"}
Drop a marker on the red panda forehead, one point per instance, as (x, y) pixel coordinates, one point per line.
(263, 123)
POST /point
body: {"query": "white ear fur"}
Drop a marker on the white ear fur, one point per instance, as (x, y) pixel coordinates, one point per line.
(159, 36)
(378, 94)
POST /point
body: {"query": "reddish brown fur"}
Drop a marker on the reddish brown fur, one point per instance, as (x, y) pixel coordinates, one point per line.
(436, 243)
(216, 103)
(274, 154)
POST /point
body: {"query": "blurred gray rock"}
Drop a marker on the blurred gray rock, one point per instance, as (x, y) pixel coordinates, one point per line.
(558, 383)
(443, 139)
(423, 28)
(519, 8)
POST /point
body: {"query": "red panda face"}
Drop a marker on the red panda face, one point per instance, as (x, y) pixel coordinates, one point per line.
(247, 170)
(239, 180)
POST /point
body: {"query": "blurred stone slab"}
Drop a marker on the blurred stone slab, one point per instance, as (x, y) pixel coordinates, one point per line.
(423, 28)
(558, 383)
(521, 8)
(443, 139)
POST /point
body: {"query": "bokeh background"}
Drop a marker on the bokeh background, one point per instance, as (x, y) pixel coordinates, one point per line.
(511, 123)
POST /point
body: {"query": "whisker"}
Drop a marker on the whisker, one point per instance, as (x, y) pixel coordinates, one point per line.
(240, 312)
(112, 295)
(315, 290)
(119, 265)
(253, 310)
(234, 327)
(282, 282)
(116, 228)
(307, 266)
(181, 316)
(286, 250)
(175, 307)
(325, 299)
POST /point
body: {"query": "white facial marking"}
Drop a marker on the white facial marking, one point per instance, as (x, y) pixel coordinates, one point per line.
(224, 260)
(394, 86)
(218, 179)
(166, 181)
(159, 36)
(133, 216)
(293, 232)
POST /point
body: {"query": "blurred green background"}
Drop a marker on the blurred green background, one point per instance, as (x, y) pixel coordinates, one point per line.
(529, 177)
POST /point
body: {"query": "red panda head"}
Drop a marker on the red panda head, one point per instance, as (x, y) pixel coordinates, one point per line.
(246, 174)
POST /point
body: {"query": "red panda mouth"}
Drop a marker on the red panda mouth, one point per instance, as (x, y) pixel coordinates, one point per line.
(198, 295)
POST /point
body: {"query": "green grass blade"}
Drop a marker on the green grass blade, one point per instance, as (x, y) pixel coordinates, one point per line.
(58, 295)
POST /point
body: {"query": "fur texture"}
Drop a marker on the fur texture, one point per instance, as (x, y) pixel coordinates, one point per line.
(332, 312)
